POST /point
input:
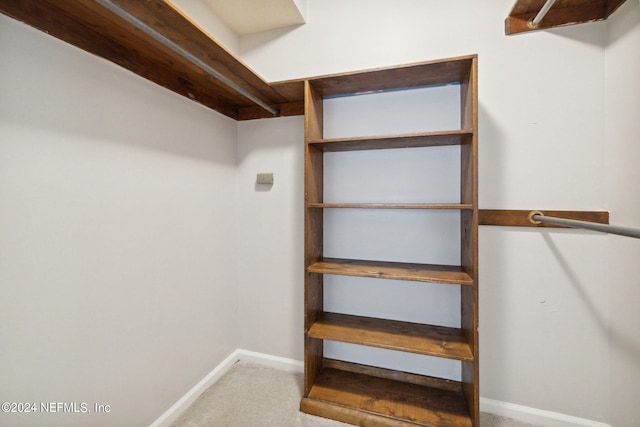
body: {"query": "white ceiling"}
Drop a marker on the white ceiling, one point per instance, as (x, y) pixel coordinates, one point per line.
(252, 16)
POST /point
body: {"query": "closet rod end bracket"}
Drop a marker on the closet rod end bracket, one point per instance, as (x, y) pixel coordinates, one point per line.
(532, 25)
(531, 216)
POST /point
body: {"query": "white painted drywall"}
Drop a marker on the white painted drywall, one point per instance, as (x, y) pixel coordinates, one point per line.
(401, 175)
(250, 16)
(199, 12)
(544, 308)
(270, 245)
(623, 179)
(117, 233)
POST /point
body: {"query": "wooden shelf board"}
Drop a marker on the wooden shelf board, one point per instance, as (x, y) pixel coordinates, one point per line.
(433, 273)
(91, 27)
(427, 73)
(520, 218)
(372, 401)
(430, 340)
(412, 140)
(563, 12)
(391, 374)
(443, 206)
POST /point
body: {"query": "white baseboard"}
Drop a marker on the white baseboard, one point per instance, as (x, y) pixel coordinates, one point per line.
(496, 407)
(277, 362)
(535, 416)
(173, 413)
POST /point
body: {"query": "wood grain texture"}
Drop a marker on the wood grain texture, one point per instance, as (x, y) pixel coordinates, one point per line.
(441, 206)
(520, 218)
(313, 242)
(284, 110)
(392, 374)
(80, 24)
(371, 401)
(425, 407)
(179, 28)
(425, 139)
(433, 273)
(411, 75)
(313, 356)
(430, 340)
(293, 90)
(313, 175)
(612, 6)
(469, 239)
(89, 26)
(563, 12)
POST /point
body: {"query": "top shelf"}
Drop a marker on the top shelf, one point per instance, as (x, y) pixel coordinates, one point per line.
(456, 70)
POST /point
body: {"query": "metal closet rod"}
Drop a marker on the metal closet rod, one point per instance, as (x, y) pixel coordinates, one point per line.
(542, 13)
(124, 14)
(537, 217)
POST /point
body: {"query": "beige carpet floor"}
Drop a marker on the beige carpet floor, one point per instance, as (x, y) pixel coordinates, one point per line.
(250, 395)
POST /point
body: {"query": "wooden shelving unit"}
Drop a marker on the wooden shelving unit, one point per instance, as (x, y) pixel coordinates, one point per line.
(368, 395)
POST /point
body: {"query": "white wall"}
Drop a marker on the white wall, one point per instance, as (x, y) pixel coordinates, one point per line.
(202, 15)
(270, 245)
(430, 174)
(544, 307)
(117, 232)
(623, 177)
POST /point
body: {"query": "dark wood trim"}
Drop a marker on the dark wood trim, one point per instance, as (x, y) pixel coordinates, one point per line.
(90, 27)
(426, 206)
(520, 218)
(612, 6)
(469, 238)
(313, 244)
(563, 12)
(295, 108)
(446, 274)
(419, 338)
(363, 398)
(391, 374)
(412, 140)
(398, 77)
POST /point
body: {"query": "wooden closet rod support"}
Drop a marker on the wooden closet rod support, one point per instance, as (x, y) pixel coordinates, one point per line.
(124, 14)
(589, 220)
(537, 217)
(520, 218)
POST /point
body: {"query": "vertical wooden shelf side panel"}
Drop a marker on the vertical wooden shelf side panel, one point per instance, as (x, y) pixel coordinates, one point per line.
(313, 188)
(469, 236)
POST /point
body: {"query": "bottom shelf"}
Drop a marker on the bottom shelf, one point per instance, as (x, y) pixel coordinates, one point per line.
(343, 392)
